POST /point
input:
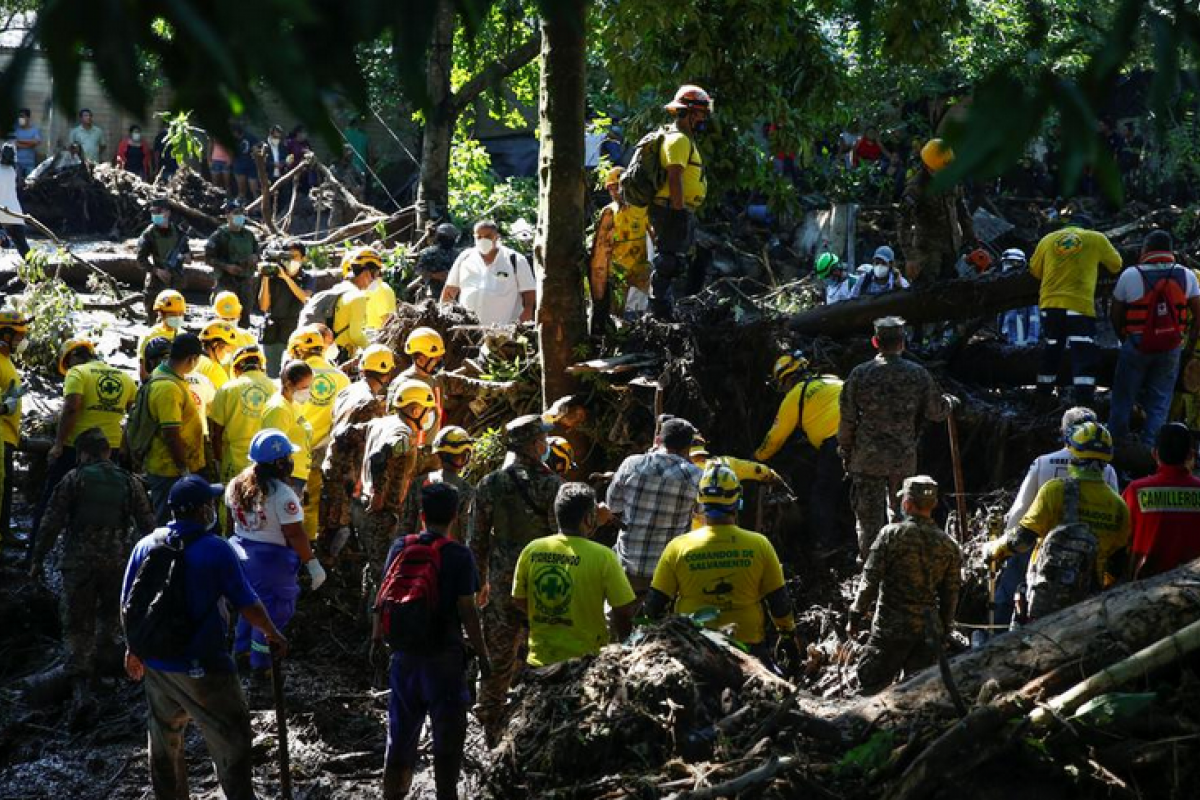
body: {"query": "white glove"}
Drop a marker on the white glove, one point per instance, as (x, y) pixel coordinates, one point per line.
(339, 540)
(316, 572)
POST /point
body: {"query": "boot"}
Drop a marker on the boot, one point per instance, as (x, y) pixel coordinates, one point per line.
(446, 769)
(396, 782)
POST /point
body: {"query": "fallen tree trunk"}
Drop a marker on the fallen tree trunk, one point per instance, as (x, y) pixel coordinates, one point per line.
(948, 301)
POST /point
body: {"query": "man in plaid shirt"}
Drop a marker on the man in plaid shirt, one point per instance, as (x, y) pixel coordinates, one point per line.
(655, 496)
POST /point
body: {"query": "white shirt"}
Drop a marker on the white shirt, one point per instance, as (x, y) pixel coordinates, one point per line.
(493, 291)
(264, 523)
(1131, 286)
(8, 196)
(1042, 471)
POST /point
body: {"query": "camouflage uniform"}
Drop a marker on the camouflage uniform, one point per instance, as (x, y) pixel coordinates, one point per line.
(933, 227)
(97, 506)
(432, 260)
(513, 506)
(453, 393)
(882, 404)
(410, 516)
(153, 248)
(235, 249)
(354, 405)
(389, 461)
(913, 568)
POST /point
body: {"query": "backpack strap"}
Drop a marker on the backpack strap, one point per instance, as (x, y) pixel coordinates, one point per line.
(523, 490)
(1070, 501)
(800, 408)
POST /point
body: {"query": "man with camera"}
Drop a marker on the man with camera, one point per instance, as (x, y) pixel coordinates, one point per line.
(283, 289)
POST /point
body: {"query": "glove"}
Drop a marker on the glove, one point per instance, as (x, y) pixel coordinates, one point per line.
(952, 401)
(316, 572)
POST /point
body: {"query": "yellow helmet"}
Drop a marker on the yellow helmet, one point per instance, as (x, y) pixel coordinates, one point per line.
(219, 331)
(453, 441)
(360, 257)
(699, 453)
(248, 352)
(409, 392)
(70, 346)
(14, 321)
(937, 155)
(305, 339)
(227, 306)
(562, 455)
(1090, 441)
(425, 342)
(786, 366)
(378, 358)
(170, 301)
(720, 489)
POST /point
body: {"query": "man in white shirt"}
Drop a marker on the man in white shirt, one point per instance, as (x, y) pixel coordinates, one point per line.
(90, 137)
(491, 280)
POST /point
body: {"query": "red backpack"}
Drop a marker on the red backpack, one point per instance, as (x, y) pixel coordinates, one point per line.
(408, 600)
(1164, 326)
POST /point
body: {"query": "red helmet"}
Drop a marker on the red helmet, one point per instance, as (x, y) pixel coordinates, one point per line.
(688, 97)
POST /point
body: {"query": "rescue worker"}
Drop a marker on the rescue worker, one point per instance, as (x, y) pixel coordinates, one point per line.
(220, 339)
(881, 277)
(381, 304)
(434, 262)
(285, 411)
(362, 269)
(1098, 507)
(97, 508)
(227, 306)
(811, 405)
(427, 350)
(452, 447)
(236, 413)
(177, 448)
(727, 568)
(162, 251)
(619, 276)
(328, 381)
(361, 401)
(745, 470)
(1020, 326)
(1067, 263)
(14, 326)
(1164, 508)
(232, 251)
(882, 404)
(154, 354)
(673, 212)
(560, 456)
(170, 308)
(934, 224)
(839, 285)
(269, 539)
(909, 591)
(513, 506)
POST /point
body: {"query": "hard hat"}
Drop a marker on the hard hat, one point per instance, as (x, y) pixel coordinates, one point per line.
(720, 489)
(1014, 254)
(271, 444)
(248, 352)
(70, 346)
(306, 338)
(826, 263)
(690, 96)
(614, 176)
(408, 392)
(226, 305)
(156, 349)
(425, 342)
(378, 358)
(14, 321)
(453, 441)
(170, 301)
(980, 259)
(1090, 441)
(699, 448)
(936, 155)
(562, 455)
(788, 365)
(219, 331)
(359, 259)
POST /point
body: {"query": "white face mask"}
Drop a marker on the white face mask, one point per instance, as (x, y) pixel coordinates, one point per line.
(293, 267)
(174, 323)
(485, 246)
(135, 137)
(881, 270)
(301, 396)
(331, 352)
(374, 285)
(22, 346)
(428, 420)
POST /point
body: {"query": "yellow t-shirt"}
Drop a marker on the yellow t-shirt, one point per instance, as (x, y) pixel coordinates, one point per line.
(238, 408)
(10, 424)
(328, 380)
(1068, 262)
(164, 331)
(1099, 506)
(107, 394)
(288, 417)
(722, 567)
(171, 405)
(381, 303)
(629, 255)
(212, 370)
(679, 151)
(350, 321)
(822, 415)
(566, 580)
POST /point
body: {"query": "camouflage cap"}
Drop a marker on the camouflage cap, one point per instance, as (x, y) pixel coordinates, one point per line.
(919, 487)
(888, 325)
(523, 430)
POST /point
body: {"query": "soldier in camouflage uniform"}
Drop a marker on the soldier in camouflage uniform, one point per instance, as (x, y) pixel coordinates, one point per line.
(513, 506)
(427, 350)
(162, 251)
(232, 252)
(98, 507)
(882, 405)
(934, 224)
(911, 582)
(452, 448)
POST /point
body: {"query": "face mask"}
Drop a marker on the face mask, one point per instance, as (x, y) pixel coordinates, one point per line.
(135, 137)
(301, 396)
(293, 267)
(374, 285)
(428, 420)
(881, 270)
(174, 323)
(700, 126)
(238, 220)
(485, 246)
(331, 352)
(21, 347)
(23, 121)
(159, 219)
(274, 141)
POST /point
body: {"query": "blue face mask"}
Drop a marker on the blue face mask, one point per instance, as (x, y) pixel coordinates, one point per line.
(158, 219)
(238, 220)
(700, 126)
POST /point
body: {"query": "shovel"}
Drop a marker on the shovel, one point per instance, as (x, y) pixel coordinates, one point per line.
(285, 770)
(956, 461)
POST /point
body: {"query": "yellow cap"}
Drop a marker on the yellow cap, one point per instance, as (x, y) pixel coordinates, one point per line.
(360, 257)
(453, 440)
(937, 155)
(613, 176)
(408, 392)
(305, 339)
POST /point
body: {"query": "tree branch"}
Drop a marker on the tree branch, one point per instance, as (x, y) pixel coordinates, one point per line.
(498, 70)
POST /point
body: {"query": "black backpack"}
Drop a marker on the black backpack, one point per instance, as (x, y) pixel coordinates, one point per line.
(154, 613)
(645, 174)
(322, 306)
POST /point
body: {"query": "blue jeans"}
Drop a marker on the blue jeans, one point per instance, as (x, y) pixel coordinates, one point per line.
(1021, 326)
(1011, 576)
(433, 685)
(1147, 379)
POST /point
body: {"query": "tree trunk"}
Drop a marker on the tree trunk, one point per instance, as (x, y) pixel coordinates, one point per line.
(433, 190)
(561, 212)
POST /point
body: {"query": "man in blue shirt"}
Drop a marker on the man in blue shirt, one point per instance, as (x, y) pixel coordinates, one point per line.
(203, 685)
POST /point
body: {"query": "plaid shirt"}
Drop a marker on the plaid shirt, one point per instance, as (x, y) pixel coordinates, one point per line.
(655, 494)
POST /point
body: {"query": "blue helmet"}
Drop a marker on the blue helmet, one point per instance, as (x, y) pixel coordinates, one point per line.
(269, 445)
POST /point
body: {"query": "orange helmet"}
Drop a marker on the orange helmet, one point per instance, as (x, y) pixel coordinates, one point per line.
(689, 97)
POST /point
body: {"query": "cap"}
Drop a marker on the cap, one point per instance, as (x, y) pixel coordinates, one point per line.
(191, 491)
(160, 202)
(919, 487)
(889, 324)
(232, 204)
(186, 345)
(157, 348)
(525, 429)
(886, 253)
